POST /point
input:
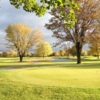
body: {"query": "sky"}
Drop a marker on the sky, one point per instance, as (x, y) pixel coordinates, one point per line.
(10, 15)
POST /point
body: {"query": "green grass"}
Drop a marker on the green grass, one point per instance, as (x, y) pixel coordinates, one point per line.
(42, 79)
(67, 77)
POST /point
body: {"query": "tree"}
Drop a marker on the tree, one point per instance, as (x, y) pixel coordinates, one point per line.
(62, 53)
(12, 53)
(22, 38)
(56, 53)
(94, 44)
(87, 22)
(5, 54)
(84, 52)
(41, 6)
(67, 52)
(73, 51)
(43, 49)
(28, 54)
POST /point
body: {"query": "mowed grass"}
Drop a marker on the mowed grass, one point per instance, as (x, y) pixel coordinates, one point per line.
(42, 79)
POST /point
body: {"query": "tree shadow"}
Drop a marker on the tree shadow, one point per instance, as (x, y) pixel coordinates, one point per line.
(60, 65)
(71, 63)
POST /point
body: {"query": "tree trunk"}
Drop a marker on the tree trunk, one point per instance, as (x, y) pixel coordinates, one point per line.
(79, 49)
(21, 58)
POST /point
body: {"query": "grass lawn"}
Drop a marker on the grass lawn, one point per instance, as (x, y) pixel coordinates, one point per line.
(42, 79)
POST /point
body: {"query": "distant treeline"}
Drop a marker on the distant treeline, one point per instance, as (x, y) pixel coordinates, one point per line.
(66, 52)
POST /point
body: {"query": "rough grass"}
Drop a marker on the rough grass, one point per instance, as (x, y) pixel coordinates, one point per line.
(41, 79)
(22, 91)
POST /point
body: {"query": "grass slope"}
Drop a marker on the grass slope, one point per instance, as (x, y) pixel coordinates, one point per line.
(21, 91)
(41, 79)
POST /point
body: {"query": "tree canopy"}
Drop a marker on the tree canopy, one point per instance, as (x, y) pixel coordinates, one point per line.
(22, 38)
(43, 49)
(40, 7)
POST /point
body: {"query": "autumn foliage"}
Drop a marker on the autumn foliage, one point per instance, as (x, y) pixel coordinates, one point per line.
(22, 38)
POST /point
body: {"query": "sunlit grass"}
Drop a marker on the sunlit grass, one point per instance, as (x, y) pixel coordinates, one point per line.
(42, 79)
(68, 77)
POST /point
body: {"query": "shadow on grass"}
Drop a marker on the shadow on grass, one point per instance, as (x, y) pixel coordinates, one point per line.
(56, 64)
(83, 59)
(14, 62)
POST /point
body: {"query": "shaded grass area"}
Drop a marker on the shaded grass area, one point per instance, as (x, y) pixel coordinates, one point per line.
(20, 91)
(87, 62)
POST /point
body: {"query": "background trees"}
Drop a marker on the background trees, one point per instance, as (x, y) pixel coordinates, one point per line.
(87, 17)
(22, 38)
(94, 44)
(43, 49)
(12, 53)
(5, 54)
(73, 51)
(56, 53)
(62, 53)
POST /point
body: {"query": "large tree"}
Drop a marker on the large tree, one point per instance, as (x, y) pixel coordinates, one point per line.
(22, 38)
(87, 22)
(43, 49)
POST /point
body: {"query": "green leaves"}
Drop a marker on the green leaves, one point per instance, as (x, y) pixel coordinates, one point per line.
(40, 7)
(43, 49)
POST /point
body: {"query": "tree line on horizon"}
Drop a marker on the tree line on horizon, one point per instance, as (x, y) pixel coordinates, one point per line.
(47, 52)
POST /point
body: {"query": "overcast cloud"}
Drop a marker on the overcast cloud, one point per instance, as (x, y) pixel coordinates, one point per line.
(11, 15)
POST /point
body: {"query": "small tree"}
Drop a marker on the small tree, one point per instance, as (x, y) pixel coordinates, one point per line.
(22, 38)
(28, 54)
(73, 51)
(67, 52)
(56, 53)
(12, 53)
(5, 54)
(94, 44)
(43, 49)
(62, 53)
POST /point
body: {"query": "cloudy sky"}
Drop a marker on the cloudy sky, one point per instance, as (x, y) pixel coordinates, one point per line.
(11, 15)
